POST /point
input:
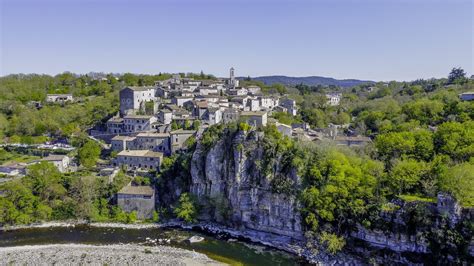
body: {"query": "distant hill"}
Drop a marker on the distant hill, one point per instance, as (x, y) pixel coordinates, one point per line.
(310, 81)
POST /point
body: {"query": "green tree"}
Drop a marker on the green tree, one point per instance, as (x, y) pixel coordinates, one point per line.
(44, 179)
(456, 140)
(332, 242)
(406, 175)
(457, 75)
(174, 126)
(196, 124)
(186, 209)
(83, 191)
(339, 189)
(89, 154)
(424, 110)
(459, 181)
(132, 217)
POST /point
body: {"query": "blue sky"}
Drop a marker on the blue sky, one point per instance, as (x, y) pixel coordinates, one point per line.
(364, 39)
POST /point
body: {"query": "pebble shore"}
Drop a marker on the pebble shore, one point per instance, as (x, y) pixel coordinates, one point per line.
(80, 254)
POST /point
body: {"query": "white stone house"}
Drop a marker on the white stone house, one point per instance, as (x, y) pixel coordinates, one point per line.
(334, 98)
(253, 104)
(134, 98)
(60, 161)
(159, 142)
(207, 90)
(138, 123)
(214, 116)
(290, 106)
(256, 119)
(253, 89)
(181, 100)
(268, 102)
(165, 116)
(140, 199)
(178, 138)
(119, 143)
(139, 159)
(115, 125)
(230, 115)
(237, 91)
(59, 98)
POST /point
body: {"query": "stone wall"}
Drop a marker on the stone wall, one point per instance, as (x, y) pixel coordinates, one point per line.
(143, 206)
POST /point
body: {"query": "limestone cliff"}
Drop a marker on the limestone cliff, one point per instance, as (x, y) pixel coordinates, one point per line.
(227, 177)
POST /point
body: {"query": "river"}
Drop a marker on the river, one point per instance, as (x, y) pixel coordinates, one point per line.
(230, 251)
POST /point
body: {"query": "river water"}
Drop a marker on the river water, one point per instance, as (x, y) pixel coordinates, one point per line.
(229, 251)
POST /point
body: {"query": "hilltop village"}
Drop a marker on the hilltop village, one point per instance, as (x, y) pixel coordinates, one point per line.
(159, 121)
(156, 121)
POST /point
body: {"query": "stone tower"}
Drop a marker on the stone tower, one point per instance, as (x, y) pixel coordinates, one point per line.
(232, 77)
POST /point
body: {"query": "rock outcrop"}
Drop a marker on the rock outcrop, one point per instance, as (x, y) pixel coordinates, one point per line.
(228, 176)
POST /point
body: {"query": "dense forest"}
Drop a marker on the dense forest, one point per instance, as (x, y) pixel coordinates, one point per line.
(423, 144)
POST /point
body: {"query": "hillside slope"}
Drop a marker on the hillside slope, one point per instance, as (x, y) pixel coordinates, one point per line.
(310, 81)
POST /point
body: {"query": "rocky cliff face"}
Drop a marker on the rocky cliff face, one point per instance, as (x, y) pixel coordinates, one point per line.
(227, 177)
(233, 184)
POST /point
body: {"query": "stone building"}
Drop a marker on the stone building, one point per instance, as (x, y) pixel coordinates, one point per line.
(285, 130)
(165, 116)
(253, 104)
(230, 115)
(214, 116)
(200, 109)
(334, 98)
(181, 100)
(268, 102)
(60, 161)
(204, 90)
(137, 198)
(115, 125)
(178, 138)
(133, 99)
(138, 123)
(467, 96)
(256, 119)
(290, 106)
(253, 89)
(120, 143)
(59, 98)
(139, 159)
(352, 141)
(159, 142)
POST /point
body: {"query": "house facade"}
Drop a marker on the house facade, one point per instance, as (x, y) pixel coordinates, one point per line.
(138, 123)
(140, 199)
(257, 119)
(133, 99)
(59, 98)
(139, 159)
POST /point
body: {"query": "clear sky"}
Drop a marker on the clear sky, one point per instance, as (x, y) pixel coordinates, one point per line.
(364, 39)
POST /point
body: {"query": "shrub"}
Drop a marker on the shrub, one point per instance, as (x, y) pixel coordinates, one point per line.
(186, 209)
(332, 242)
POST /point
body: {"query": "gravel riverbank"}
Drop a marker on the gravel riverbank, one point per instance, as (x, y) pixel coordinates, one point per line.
(79, 254)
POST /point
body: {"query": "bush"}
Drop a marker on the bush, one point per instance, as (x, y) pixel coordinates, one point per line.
(186, 209)
(244, 126)
(332, 242)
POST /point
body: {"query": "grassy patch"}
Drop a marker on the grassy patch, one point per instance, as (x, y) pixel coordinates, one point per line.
(389, 207)
(8, 157)
(412, 198)
(223, 259)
